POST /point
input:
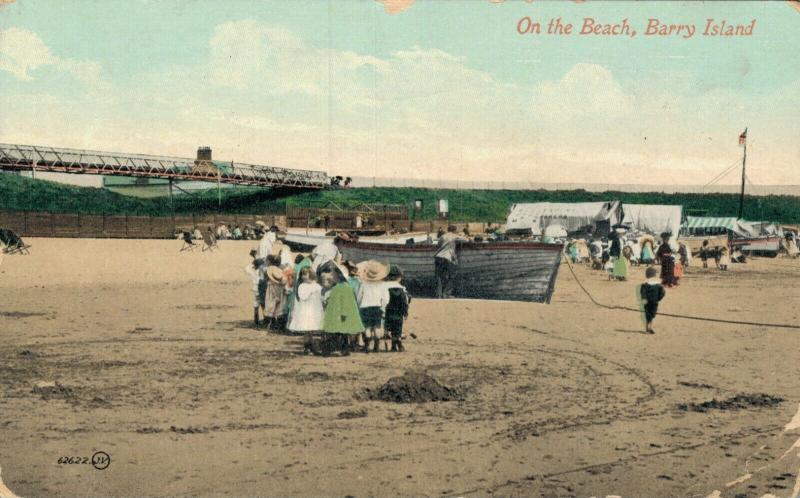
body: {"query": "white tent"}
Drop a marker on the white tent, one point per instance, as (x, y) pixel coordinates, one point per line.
(653, 218)
(570, 215)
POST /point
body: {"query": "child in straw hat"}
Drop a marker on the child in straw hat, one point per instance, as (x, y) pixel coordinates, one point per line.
(373, 296)
(275, 300)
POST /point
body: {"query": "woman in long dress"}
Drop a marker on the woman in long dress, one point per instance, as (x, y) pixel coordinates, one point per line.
(622, 263)
(666, 256)
(572, 251)
(307, 312)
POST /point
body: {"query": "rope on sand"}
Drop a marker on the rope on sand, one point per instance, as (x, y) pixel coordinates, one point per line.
(673, 315)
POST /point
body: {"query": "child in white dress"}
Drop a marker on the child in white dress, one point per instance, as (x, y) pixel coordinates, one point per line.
(307, 311)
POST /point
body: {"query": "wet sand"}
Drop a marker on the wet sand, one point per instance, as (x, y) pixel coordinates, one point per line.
(147, 354)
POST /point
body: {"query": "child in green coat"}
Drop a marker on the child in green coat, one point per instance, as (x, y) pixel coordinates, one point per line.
(342, 320)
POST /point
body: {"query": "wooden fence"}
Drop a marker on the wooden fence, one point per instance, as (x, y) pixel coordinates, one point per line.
(41, 224)
(379, 217)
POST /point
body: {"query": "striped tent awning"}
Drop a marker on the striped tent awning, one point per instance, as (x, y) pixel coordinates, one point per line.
(694, 222)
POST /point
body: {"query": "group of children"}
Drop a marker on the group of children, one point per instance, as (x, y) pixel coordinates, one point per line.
(718, 254)
(336, 305)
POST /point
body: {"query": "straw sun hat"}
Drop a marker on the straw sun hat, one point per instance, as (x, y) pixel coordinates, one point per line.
(275, 274)
(646, 238)
(372, 271)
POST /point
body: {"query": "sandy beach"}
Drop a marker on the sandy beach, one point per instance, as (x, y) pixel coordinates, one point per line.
(132, 348)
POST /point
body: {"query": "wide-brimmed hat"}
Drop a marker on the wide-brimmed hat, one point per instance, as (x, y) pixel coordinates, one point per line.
(372, 271)
(646, 238)
(275, 274)
(261, 223)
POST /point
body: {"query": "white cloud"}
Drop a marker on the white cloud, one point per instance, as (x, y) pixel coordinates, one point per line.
(249, 55)
(585, 90)
(23, 51)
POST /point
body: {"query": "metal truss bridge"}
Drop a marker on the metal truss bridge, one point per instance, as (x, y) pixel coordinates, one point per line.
(90, 162)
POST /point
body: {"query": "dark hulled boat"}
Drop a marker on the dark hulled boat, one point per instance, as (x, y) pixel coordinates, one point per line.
(512, 271)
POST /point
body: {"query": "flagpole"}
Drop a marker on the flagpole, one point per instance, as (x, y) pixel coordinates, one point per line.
(744, 160)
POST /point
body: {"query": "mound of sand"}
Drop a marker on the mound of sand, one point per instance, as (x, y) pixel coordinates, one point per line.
(738, 402)
(413, 387)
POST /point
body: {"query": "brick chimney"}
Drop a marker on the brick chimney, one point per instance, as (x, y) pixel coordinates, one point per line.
(204, 153)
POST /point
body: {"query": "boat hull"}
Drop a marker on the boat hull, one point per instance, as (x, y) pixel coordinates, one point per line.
(760, 245)
(511, 271)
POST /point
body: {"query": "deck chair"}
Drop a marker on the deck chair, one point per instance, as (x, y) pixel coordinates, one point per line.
(209, 242)
(13, 242)
(188, 243)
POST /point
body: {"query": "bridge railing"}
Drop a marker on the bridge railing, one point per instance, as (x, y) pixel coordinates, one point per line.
(31, 157)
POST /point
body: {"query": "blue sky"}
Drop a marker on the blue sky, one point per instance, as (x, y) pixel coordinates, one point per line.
(443, 89)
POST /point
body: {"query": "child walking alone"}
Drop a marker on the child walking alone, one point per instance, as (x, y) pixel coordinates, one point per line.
(650, 293)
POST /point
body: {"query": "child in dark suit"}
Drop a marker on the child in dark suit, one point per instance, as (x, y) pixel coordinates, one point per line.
(651, 293)
(397, 308)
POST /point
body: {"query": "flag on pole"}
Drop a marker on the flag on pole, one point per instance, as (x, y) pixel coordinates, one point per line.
(743, 137)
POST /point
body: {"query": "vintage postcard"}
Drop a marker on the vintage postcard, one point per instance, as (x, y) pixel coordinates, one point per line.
(440, 248)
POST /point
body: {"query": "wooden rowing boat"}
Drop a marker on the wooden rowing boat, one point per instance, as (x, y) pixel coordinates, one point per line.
(512, 271)
(768, 246)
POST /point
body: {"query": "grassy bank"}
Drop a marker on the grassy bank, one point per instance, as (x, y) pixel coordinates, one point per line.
(25, 194)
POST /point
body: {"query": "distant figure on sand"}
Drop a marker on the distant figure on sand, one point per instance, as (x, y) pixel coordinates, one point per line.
(666, 256)
(650, 293)
(790, 244)
(620, 263)
(705, 253)
(648, 252)
(723, 259)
